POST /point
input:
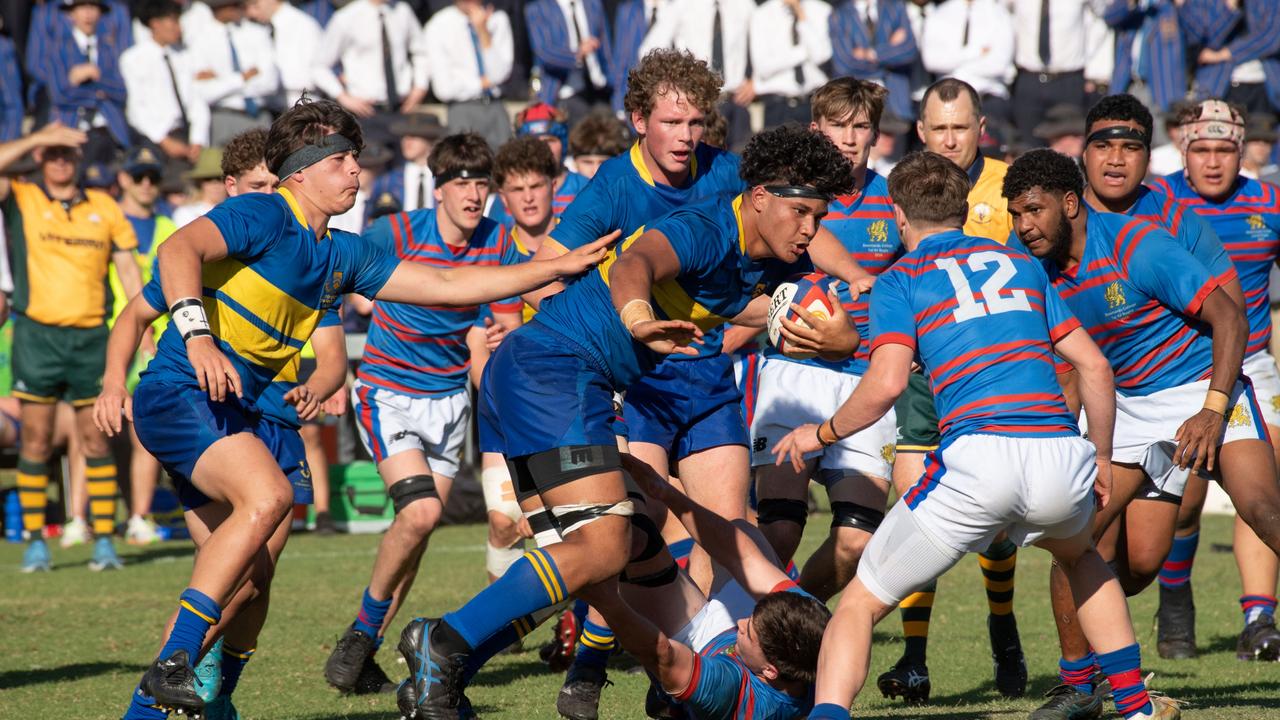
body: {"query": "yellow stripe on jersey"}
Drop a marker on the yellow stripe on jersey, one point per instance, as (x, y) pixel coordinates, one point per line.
(259, 322)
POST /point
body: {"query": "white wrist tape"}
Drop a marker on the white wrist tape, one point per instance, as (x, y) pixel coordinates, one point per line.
(190, 319)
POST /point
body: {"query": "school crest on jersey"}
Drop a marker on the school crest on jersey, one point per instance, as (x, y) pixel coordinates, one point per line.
(1114, 296)
(331, 289)
(888, 453)
(1239, 416)
(982, 213)
(1275, 403)
(1255, 222)
(878, 232)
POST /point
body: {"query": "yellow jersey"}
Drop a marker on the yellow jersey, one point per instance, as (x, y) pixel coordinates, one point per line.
(988, 209)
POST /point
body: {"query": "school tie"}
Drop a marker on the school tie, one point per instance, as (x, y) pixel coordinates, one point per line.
(251, 107)
(717, 41)
(177, 96)
(1044, 33)
(388, 66)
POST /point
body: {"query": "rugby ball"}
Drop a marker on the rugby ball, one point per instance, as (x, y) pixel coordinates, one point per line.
(809, 292)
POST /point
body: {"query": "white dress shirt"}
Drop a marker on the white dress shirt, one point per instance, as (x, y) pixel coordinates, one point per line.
(194, 20)
(687, 24)
(595, 73)
(1099, 45)
(152, 108)
(353, 38)
(1066, 41)
(6, 275)
(184, 214)
(1166, 159)
(295, 36)
(985, 59)
(773, 55)
(415, 175)
(451, 54)
(210, 50)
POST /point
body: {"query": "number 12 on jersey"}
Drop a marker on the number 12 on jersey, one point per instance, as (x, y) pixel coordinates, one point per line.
(993, 302)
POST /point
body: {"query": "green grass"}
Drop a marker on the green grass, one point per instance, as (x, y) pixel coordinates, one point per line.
(73, 643)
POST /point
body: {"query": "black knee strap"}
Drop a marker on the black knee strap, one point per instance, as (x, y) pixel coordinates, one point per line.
(666, 576)
(411, 489)
(853, 515)
(771, 510)
(653, 543)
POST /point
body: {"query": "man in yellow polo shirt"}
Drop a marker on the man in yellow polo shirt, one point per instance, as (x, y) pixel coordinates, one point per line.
(62, 239)
(951, 124)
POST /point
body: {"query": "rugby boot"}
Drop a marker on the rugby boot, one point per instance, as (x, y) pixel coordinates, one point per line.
(209, 673)
(36, 557)
(170, 684)
(221, 709)
(579, 698)
(342, 669)
(908, 680)
(1162, 708)
(372, 679)
(659, 705)
(434, 688)
(1260, 640)
(1066, 702)
(104, 556)
(1176, 623)
(559, 652)
(1006, 655)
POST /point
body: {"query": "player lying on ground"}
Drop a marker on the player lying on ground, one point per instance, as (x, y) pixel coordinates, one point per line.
(985, 323)
(266, 261)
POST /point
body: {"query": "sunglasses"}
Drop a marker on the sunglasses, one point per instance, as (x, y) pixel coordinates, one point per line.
(152, 177)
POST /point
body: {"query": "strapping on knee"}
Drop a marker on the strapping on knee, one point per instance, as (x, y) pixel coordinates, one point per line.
(569, 518)
(545, 531)
(853, 515)
(771, 510)
(653, 543)
(665, 576)
(412, 489)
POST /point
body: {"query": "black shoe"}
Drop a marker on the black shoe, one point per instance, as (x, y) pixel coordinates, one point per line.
(342, 669)
(1260, 640)
(1006, 653)
(659, 705)
(434, 688)
(1068, 703)
(171, 685)
(579, 698)
(908, 680)
(324, 524)
(372, 680)
(1176, 623)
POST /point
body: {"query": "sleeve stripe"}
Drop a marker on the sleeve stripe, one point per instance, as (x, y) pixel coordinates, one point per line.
(1194, 307)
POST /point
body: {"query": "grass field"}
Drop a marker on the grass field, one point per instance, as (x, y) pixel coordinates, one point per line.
(73, 643)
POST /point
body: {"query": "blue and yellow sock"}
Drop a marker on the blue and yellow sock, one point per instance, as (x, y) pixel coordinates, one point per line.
(1176, 570)
(1255, 606)
(595, 645)
(101, 473)
(140, 708)
(496, 643)
(998, 563)
(197, 613)
(580, 609)
(233, 662)
(33, 484)
(530, 584)
(372, 614)
(828, 711)
(1127, 687)
(916, 610)
(1077, 673)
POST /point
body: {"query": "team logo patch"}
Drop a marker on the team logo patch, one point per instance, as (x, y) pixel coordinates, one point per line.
(1114, 295)
(1275, 403)
(760, 444)
(878, 232)
(1255, 222)
(305, 471)
(1239, 416)
(331, 289)
(888, 453)
(982, 213)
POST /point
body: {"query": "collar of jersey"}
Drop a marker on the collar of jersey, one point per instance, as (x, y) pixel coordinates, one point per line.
(79, 197)
(637, 160)
(975, 170)
(737, 216)
(297, 211)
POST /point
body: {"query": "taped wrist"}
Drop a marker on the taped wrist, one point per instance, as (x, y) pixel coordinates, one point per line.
(189, 317)
(635, 312)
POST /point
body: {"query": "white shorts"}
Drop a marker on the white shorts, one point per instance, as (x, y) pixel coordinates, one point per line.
(392, 423)
(792, 394)
(1261, 369)
(712, 621)
(1146, 426)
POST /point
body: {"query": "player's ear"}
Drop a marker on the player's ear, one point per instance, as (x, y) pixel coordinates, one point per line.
(758, 198)
(900, 219)
(769, 672)
(639, 122)
(1071, 204)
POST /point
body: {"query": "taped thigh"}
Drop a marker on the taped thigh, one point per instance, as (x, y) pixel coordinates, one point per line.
(412, 489)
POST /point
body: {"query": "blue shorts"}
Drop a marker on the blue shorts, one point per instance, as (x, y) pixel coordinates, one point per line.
(539, 393)
(687, 406)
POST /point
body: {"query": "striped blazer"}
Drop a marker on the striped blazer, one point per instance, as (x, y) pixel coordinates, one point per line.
(892, 65)
(549, 39)
(1252, 33)
(1163, 45)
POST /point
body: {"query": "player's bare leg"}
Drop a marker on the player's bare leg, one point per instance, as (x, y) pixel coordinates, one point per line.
(1249, 476)
(716, 478)
(1176, 617)
(144, 472)
(856, 498)
(783, 498)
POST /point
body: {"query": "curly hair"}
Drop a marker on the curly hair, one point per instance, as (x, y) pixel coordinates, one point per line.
(792, 155)
(1046, 169)
(1120, 107)
(716, 133)
(245, 152)
(307, 123)
(930, 189)
(463, 151)
(524, 155)
(790, 627)
(664, 71)
(599, 134)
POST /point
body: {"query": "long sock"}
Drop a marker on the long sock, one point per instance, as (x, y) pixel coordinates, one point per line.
(372, 614)
(595, 646)
(101, 473)
(1127, 687)
(1076, 673)
(580, 609)
(531, 583)
(1255, 606)
(917, 608)
(680, 550)
(1176, 570)
(33, 484)
(828, 711)
(197, 613)
(498, 642)
(233, 662)
(998, 564)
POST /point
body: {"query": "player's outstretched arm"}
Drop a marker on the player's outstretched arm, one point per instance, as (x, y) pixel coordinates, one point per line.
(549, 250)
(122, 345)
(726, 542)
(671, 662)
(648, 261)
(419, 284)
(330, 344)
(1095, 387)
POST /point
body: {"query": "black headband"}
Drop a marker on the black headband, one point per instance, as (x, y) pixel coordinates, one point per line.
(1118, 132)
(462, 174)
(797, 191)
(308, 155)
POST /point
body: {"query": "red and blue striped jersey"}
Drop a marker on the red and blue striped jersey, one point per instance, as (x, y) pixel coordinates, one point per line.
(982, 319)
(863, 223)
(1158, 206)
(1248, 223)
(420, 351)
(1137, 291)
(563, 197)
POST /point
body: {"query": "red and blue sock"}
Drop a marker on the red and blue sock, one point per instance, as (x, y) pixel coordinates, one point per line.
(530, 584)
(1127, 688)
(595, 645)
(373, 613)
(1078, 673)
(1176, 571)
(1255, 606)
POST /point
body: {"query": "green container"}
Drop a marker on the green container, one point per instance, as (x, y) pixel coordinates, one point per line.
(358, 501)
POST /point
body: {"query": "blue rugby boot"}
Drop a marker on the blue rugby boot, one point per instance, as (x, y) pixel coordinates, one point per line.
(104, 556)
(36, 558)
(209, 673)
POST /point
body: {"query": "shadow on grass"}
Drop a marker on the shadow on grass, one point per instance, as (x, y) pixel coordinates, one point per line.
(65, 673)
(1228, 696)
(1222, 643)
(160, 552)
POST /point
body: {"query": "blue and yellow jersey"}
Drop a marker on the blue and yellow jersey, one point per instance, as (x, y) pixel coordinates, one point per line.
(988, 208)
(272, 290)
(624, 196)
(982, 319)
(864, 225)
(422, 351)
(562, 199)
(716, 281)
(1248, 224)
